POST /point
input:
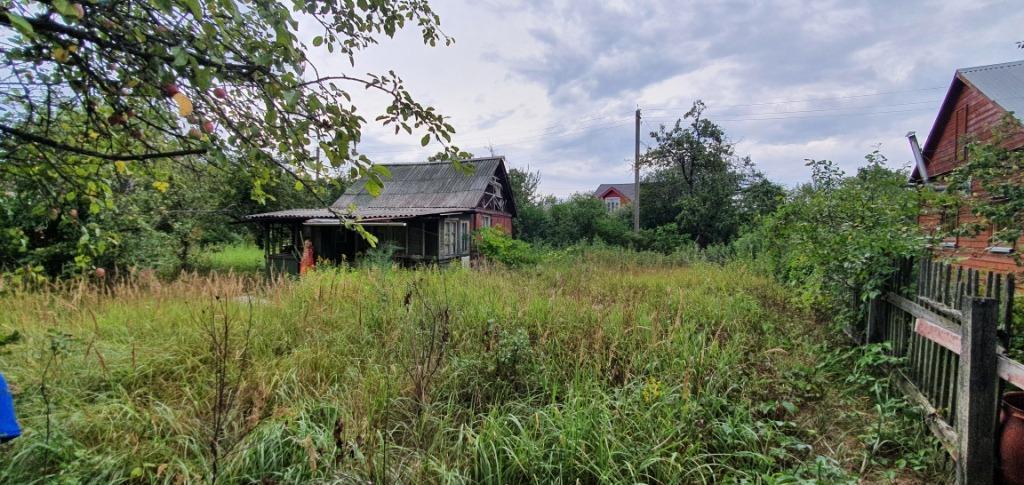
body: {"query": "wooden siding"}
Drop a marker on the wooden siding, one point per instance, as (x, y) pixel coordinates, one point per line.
(967, 115)
(613, 192)
(498, 220)
(971, 114)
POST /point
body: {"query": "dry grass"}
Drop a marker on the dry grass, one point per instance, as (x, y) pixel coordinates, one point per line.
(597, 366)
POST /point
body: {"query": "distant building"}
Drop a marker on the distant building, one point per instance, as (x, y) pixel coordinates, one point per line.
(615, 195)
(427, 212)
(977, 100)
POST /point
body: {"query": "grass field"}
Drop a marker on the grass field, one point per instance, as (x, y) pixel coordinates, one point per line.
(595, 366)
(237, 258)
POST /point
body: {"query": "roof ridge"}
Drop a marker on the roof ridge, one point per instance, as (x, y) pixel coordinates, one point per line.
(988, 67)
(441, 162)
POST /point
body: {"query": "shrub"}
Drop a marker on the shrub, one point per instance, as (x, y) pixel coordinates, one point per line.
(499, 246)
(835, 238)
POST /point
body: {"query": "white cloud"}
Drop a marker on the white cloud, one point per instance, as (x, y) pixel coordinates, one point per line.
(553, 85)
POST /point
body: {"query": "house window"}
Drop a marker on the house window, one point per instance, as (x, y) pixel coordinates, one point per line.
(455, 237)
(487, 221)
(1000, 246)
(949, 223)
(463, 237)
(960, 132)
(612, 203)
(449, 236)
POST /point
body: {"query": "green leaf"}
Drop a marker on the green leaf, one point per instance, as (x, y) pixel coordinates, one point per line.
(20, 24)
(382, 171)
(194, 6)
(65, 8)
(318, 41)
(425, 140)
(373, 186)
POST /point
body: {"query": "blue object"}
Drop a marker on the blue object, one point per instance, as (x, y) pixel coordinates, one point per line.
(9, 428)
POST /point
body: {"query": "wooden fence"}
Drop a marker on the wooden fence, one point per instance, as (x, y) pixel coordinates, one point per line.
(952, 326)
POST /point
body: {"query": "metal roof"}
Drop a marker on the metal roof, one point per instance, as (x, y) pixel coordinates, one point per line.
(414, 189)
(366, 213)
(289, 215)
(1002, 83)
(426, 185)
(629, 190)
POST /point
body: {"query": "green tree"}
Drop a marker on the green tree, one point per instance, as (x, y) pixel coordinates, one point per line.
(532, 222)
(698, 183)
(93, 90)
(584, 218)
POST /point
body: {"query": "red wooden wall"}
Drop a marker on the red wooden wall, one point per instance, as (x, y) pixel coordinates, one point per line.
(972, 116)
(501, 221)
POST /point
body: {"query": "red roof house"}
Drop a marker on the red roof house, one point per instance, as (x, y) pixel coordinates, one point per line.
(615, 195)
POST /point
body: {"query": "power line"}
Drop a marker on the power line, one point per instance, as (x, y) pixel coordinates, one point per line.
(929, 101)
(465, 143)
(805, 100)
(600, 122)
(552, 129)
(838, 115)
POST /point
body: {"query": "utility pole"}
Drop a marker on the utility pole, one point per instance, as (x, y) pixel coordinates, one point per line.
(636, 177)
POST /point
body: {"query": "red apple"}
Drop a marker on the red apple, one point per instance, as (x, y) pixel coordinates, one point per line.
(220, 92)
(79, 10)
(73, 213)
(101, 273)
(171, 90)
(208, 126)
(195, 133)
(116, 119)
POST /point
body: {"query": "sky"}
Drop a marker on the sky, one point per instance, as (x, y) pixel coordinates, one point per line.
(553, 85)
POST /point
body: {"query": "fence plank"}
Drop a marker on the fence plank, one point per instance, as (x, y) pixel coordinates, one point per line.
(976, 410)
(874, 331)
(946, 434)
(940, 334)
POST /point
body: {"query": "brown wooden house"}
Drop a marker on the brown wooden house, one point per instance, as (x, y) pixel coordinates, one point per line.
(427, 213)
(977, 100)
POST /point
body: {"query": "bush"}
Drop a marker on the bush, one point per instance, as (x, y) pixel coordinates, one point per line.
(498, 246)
(835, 238)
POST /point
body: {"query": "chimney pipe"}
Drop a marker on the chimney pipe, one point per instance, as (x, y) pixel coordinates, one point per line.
(918, 156)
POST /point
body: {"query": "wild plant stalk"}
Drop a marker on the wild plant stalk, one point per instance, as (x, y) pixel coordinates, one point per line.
(229, 363)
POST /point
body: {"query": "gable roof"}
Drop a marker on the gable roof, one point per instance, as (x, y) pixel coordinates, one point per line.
(1003, 84)
(415, 189)
(629, 190)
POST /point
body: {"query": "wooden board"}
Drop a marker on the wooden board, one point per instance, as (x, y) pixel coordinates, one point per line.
(1007, 368)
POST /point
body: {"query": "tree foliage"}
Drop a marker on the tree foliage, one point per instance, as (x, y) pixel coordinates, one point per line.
(989, 184)
(699, 184)
(835, 238)
(91, 92)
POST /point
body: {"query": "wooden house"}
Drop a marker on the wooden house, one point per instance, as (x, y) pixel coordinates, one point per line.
(427, 212)
(615, 195)
(976, 102)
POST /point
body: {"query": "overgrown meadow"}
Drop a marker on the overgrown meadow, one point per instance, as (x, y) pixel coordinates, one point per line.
(594, 366)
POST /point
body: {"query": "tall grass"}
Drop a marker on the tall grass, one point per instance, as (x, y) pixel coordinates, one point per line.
(599, 366)
(237, 258)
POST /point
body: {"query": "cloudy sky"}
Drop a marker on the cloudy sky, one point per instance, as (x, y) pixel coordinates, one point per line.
(552, 85)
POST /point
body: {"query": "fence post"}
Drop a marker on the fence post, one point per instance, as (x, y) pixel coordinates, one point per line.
(976, 397)
(873, 331)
